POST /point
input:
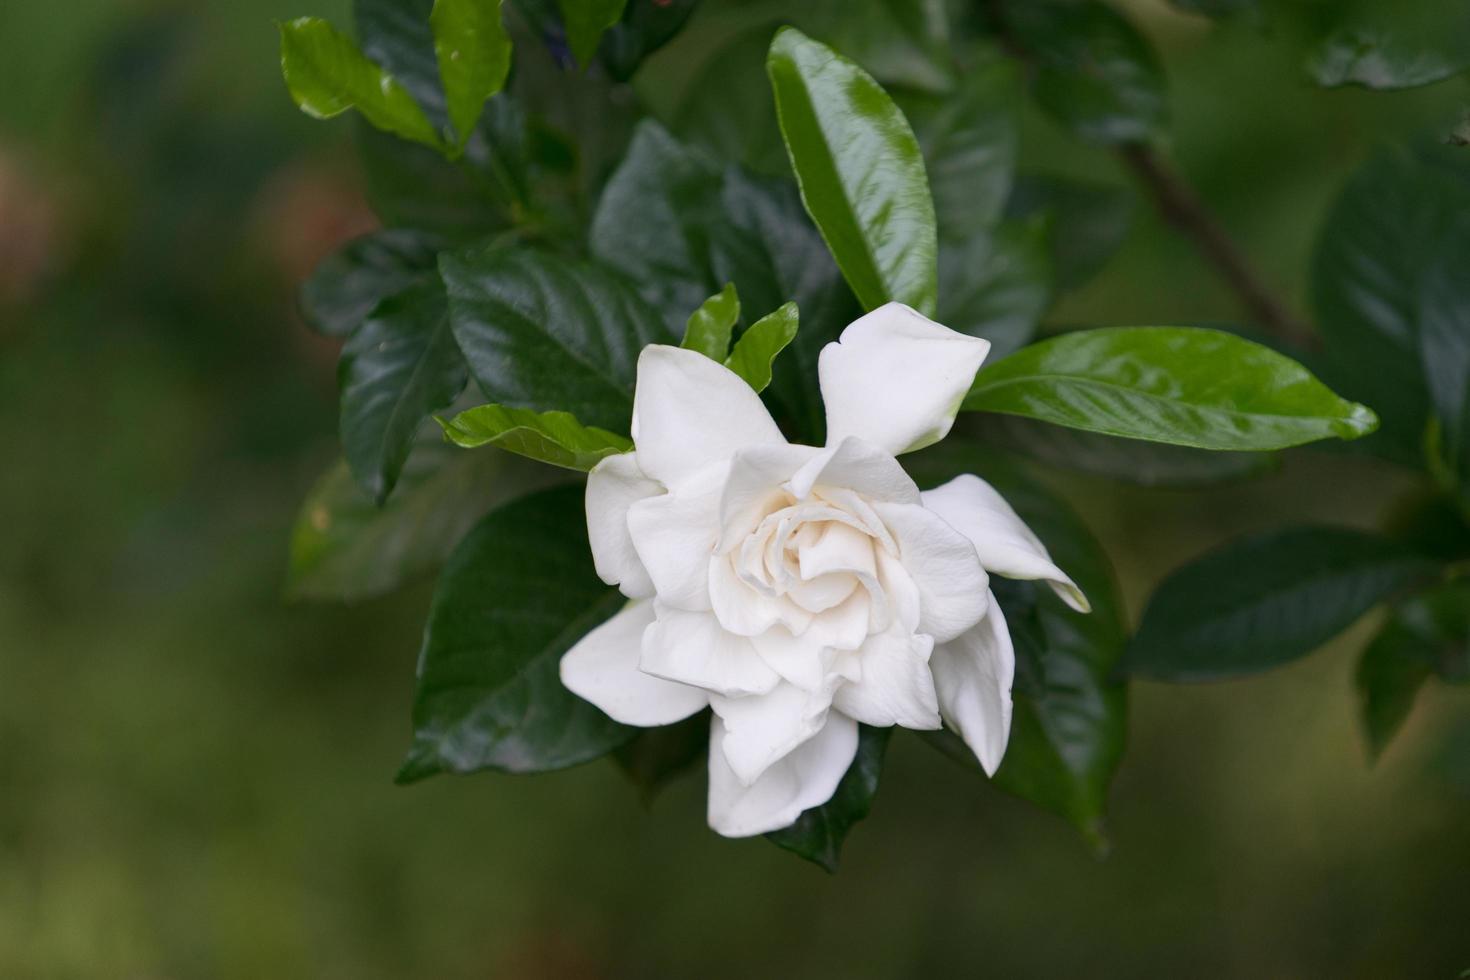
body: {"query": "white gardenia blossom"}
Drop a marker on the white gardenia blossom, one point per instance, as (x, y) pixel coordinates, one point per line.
(797, 590)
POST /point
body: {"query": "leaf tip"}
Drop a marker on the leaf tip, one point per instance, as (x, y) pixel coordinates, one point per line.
(1360, 421)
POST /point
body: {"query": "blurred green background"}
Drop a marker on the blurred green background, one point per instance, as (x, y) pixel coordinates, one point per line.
(195, 776)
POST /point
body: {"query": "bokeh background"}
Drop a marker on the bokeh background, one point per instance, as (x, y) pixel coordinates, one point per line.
(195, 775)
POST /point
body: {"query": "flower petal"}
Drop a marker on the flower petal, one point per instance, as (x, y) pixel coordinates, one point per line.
(1004, 543)
(743, 610)
(674, 535)
(802, 662)
(858, 465)
(614, 485)
(973, 675)
(952, 584)
(757, 476)
(603, 668)
(897, 378)
(689, 411)
(896, 687)
(763, 728)
(693, 648)
(806, 778)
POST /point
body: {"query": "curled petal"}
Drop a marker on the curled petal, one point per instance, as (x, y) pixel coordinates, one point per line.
(973, 675)
(896, 378)
(674, 535)
(896, 687)
(614, 485)
(689, 411)
(603, 668)
(693, 648)
(805, 778)
(754, 486)
(1004, 543)
(952, 585)
(763, 728)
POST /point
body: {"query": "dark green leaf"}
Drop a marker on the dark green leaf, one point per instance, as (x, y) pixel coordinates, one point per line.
(327, 75)
(410, 186)
(1267, 600)
(347, 285)
(1390, 673)
(645, 27)
(709, 327)
(516, 594)
(1094, 73)
(755, 352)
(1443, 316)
(656, 756)
(1185, 386)
(733, 122)
(1382, 239)
(1087, 222)
(1392, 46)
(400, 367)
(473, 52)
(818, 833)
(1432, 524)
(548, 334)
(585, 20)
(860, 171)
(396, 34)
(996, 284)
(899, 42)
(547, 437)
(1070, 716)
(345, 548)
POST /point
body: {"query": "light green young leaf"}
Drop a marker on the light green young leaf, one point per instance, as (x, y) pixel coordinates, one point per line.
(473, 50)
(550, 437)
(327, 75)
(860, 171)
(1180, 385)
(708, 330)
(585, 21)
(755, 352)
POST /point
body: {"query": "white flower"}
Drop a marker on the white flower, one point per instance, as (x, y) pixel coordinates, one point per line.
(799, 590)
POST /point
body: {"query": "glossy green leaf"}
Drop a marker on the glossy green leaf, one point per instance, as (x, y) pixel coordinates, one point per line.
(585, 21)
(1087, 222)
(345, 548)
(996, 284)
(1093, 72)
(709, 327)
(1268, 600)
(473, 52)
(756, 350)
(1071, 712)
(818, 833)
(657, 756)
(516, 594)
(860, 171)
(327, 75)
(548, 334)
(348, 284)
(1383, 239)
(1185, 386)
(1393, 46)
(547, 437)
(397, 35)
(399, 368)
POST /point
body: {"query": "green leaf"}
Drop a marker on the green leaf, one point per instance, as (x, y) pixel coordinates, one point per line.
(996, 285)
(345, 548)
(1393, 46)
(1185, 386)
(348, 284)
(1265, 601)
(411, 187)
(1443, 316)
(1144, 464)
(709, 327)
(1094, 73)
(399, 368)
(860, 172)
(327, 75)
(818, 833)
(901, 42)
(657, 756)
(473, 52)
(397, 35)
(646, 26)
(547, 437)
(755, 352)
(516, 594)
(1392, 669)
(585, 22)
(1384, 237)
(548, 334)
(1088, 222)
(732, 122)
(1071, 711)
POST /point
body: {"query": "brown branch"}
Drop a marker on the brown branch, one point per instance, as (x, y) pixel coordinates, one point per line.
(1182, 208)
